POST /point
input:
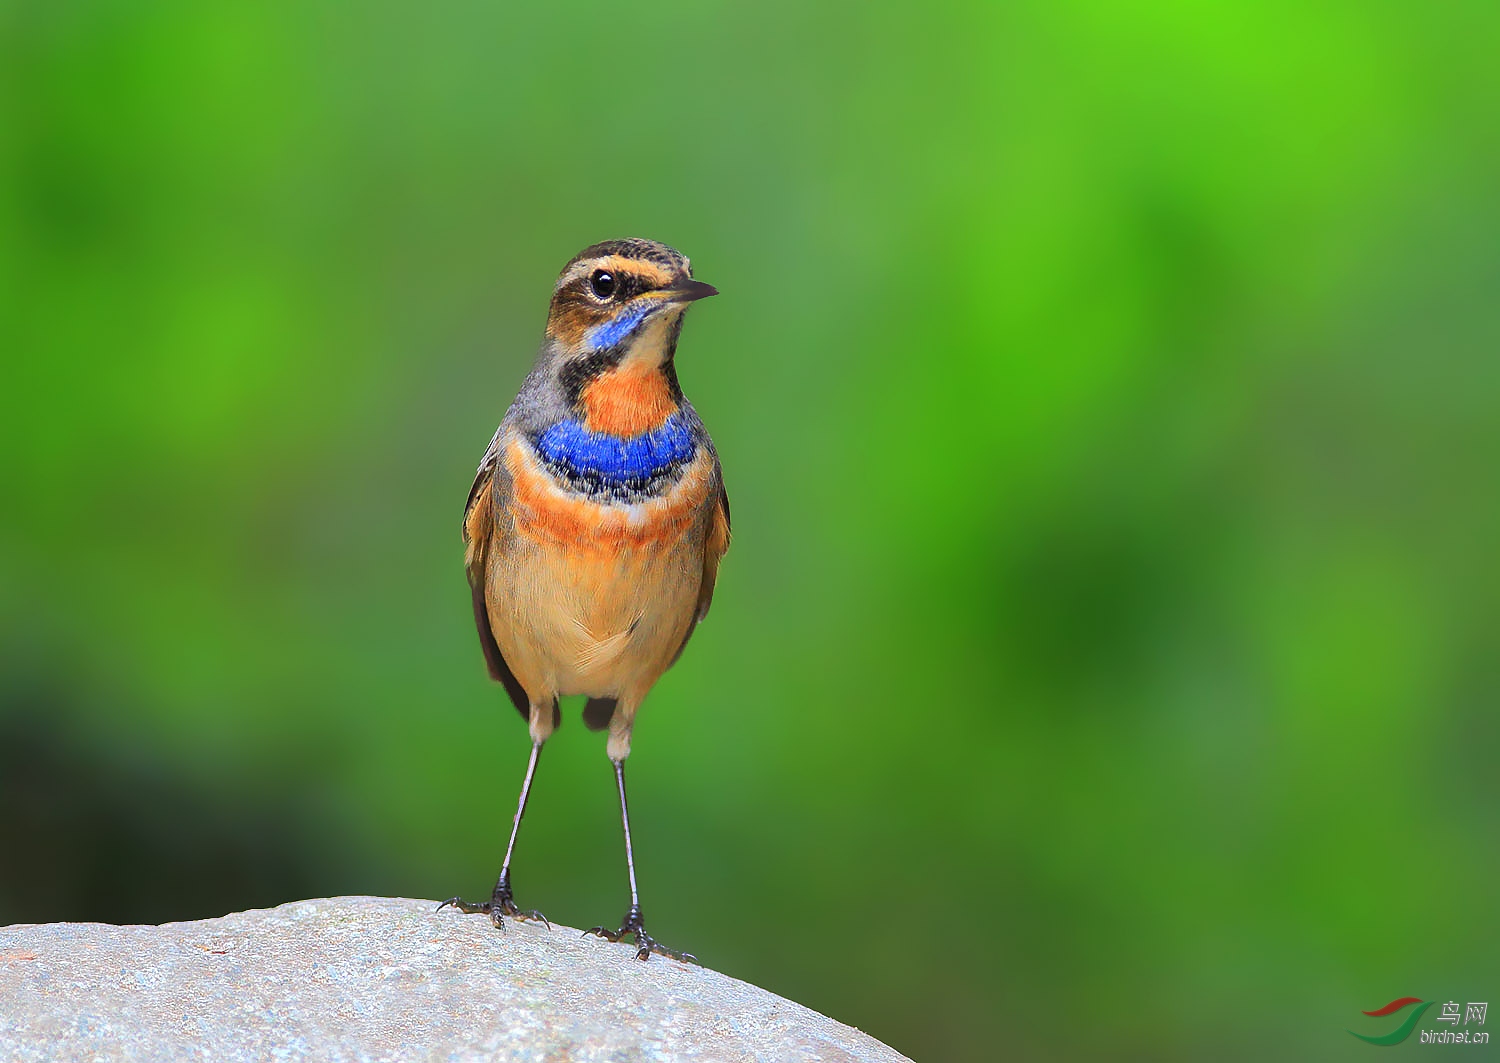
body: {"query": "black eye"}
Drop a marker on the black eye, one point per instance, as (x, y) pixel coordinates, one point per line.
(603, 283)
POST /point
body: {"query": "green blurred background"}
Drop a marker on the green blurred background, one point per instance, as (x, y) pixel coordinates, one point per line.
(1106, 663)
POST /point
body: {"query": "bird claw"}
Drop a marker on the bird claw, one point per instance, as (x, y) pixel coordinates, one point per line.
(496, 908)
(464, 906)
(645, 944)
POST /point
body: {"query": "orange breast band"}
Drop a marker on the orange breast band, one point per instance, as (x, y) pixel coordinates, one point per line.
(545, 512)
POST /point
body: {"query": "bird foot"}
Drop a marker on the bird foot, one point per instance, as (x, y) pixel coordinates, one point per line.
(501, 904)
(645, 944)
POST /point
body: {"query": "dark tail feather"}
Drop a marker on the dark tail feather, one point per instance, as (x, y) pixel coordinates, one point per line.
(597, 712)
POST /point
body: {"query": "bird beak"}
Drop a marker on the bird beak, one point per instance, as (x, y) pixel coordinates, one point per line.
(686, 291)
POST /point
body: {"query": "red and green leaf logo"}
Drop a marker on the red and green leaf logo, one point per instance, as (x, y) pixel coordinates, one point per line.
(1402, 1032)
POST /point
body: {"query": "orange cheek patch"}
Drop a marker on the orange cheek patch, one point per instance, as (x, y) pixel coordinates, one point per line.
(545, 514)
(627, 401)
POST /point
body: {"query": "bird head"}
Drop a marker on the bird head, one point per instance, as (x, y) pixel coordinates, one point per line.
(612, 332)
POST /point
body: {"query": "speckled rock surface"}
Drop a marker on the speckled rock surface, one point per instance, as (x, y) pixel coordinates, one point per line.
(372, 978)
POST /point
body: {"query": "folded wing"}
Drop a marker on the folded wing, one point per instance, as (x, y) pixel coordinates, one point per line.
(479, 530)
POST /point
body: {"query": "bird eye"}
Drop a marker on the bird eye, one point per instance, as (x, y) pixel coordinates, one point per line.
(603, 283)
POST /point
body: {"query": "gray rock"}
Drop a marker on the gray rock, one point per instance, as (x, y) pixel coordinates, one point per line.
(371, 978)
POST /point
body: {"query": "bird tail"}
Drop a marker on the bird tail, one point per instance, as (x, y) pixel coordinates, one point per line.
(597, 713)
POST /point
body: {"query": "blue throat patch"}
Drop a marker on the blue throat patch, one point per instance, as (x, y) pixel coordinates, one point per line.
(599, 463)
(616, 331)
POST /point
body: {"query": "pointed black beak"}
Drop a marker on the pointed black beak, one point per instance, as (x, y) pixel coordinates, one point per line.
(686, 291)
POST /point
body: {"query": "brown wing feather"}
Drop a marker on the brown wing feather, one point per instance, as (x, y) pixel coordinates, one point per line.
(715, 544)
(479, 527)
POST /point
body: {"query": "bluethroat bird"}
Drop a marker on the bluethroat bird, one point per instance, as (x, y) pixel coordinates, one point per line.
(597, 521)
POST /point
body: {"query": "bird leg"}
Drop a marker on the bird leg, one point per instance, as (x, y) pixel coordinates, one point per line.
(502, 902)
(633, 924)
